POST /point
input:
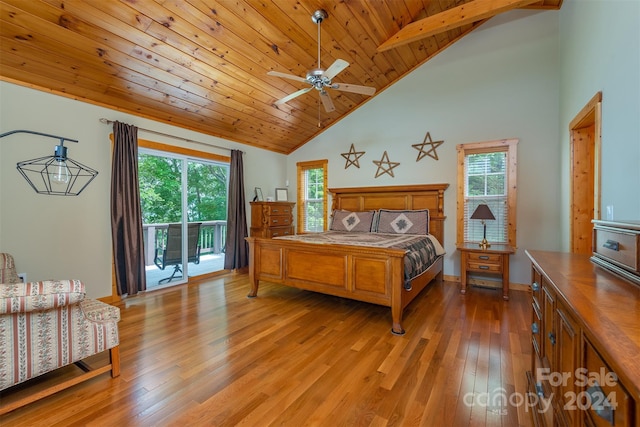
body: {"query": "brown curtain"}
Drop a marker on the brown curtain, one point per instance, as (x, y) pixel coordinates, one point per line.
(236, 247)
(126, 213)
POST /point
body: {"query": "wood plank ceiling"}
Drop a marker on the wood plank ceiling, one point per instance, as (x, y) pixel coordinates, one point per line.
(202, 64)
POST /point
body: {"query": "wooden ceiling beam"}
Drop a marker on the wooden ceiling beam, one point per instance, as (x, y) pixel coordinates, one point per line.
(467, 13)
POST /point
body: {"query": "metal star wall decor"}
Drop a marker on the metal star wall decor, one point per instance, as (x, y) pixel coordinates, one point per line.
(431, 152)
(390, 165)
(356, 154)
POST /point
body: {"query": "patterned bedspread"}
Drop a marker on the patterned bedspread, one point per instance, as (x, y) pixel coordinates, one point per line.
(421, 250)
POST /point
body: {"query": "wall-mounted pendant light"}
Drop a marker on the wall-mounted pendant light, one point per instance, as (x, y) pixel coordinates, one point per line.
(56, 175)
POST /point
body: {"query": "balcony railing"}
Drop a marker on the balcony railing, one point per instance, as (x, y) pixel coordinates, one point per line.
(212, 238)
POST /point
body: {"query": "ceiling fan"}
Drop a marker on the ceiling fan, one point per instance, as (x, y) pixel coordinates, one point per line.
(320, 79)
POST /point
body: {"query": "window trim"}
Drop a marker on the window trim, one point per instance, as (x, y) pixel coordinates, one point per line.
(152, 145)
(504, 145)
(302, 167)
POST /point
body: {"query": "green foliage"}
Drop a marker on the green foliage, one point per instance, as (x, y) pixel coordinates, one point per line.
(486, 174)
(160, 180)
(314, 200)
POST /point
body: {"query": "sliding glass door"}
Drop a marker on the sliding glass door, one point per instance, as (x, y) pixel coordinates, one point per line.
(184, 205)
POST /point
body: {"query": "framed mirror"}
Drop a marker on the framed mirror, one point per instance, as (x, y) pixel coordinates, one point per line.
(282, 195)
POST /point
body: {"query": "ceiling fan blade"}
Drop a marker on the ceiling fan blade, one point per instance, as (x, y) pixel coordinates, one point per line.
(326, 101)
(364, 90)
(335, 68)
(293, 95)
(287, 76)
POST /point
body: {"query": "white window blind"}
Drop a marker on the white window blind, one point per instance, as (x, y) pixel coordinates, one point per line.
(486, 183)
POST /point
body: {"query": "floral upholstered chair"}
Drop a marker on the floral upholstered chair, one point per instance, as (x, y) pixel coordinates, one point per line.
(47, 325)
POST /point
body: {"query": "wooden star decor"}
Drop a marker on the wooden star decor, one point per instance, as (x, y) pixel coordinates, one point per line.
(390, 165)
(356, 154)
(431, 152)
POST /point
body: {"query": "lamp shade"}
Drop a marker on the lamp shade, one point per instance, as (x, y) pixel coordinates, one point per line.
(482, 212)
(56, 175)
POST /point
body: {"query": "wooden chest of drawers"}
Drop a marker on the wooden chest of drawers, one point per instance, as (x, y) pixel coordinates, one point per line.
(271, 219)
(585, 339)
(616, 246)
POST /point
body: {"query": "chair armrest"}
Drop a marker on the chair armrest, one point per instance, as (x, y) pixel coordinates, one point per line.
(39, 296)
(98, 311)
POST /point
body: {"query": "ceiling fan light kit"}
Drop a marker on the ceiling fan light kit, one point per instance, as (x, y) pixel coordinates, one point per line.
(321, 79)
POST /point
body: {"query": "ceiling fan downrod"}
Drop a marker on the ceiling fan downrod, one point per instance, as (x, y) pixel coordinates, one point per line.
(317, 17)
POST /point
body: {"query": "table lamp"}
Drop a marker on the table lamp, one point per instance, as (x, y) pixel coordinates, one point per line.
(483, 213)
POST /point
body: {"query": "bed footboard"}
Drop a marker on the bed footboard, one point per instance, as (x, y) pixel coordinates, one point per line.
(373, 275)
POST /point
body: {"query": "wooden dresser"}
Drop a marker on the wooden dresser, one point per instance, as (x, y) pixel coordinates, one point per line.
(271, 219)
(585, 364)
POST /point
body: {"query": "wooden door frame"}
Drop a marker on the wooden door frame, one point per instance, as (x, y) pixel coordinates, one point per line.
(589, 116)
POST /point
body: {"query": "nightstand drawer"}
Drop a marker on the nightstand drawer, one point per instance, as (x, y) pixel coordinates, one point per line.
(484, 267)
(484, 258)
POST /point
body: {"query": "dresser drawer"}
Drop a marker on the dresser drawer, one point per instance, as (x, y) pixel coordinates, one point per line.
(608, 403)
(272, 210)
(536, 287)
(536, 330)
(619, 247)
(278, 221)
(279, 231)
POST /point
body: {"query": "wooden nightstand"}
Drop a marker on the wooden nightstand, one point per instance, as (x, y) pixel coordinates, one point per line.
(494, 260)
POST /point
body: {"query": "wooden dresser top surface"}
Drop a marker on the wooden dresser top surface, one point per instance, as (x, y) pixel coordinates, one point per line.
(608, 306)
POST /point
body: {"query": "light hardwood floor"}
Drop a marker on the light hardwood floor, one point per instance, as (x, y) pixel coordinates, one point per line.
(205, 354)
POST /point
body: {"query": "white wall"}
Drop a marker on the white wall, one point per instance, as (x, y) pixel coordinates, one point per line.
(70, 237)
(499, 82)
(600, 46)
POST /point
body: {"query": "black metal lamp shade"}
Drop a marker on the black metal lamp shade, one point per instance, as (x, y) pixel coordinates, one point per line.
(56, 175)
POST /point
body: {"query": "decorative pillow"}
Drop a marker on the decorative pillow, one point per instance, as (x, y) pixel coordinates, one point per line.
(355, 222)
(403, 222)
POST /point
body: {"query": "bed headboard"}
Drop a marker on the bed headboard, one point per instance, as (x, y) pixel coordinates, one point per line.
(427, 196)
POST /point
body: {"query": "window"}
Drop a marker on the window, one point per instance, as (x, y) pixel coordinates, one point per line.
(312, 196)
(487, 175)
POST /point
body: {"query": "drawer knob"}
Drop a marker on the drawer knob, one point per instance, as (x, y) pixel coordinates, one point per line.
(483, 267)
(539, 390)
(534, 328)
(612, 244)
(552, 338)
(535, 287)
(484, 257)
(275, 221)
(599, 403)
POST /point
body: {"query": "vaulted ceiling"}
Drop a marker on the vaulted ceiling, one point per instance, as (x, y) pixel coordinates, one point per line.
(203, 64)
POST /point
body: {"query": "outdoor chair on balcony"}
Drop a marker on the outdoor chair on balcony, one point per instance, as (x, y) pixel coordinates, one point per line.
(171, 253)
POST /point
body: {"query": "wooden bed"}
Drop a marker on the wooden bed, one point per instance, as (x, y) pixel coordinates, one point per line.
(374, 275)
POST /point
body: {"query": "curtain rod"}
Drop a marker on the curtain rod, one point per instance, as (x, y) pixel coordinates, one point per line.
(108, 122)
